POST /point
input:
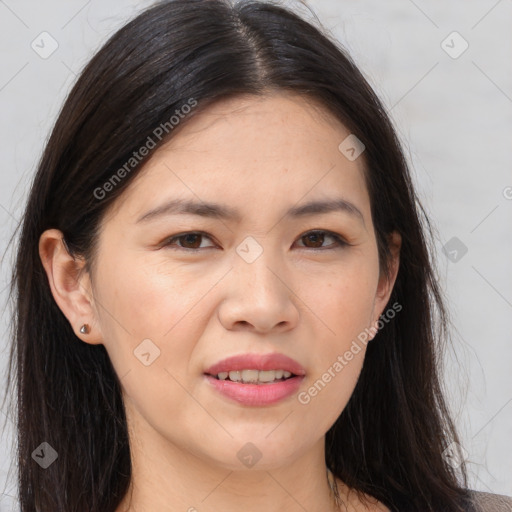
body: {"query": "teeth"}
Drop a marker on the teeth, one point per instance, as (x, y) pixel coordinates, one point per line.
(267, 376)
(254, 376)
(250, 375)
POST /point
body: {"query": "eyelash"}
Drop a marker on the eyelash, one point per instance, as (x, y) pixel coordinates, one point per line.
(340, 242)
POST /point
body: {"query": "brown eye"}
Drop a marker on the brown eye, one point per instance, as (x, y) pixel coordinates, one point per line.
(187, 241)
(315, 240)
(311, 240)
(191, 241)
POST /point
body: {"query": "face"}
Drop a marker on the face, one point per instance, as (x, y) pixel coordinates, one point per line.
(176, 292)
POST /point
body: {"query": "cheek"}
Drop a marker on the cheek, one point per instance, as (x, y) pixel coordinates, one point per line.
(148, 309)
(342, 299)
(149, 299)
(343, 306)
(140, 300)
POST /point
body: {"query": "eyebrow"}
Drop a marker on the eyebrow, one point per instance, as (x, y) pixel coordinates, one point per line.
(218, 211)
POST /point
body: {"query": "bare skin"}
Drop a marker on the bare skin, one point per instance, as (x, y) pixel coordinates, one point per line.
(199, 301)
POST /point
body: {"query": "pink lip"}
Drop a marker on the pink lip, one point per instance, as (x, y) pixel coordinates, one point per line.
(256, 394)
(257, 362)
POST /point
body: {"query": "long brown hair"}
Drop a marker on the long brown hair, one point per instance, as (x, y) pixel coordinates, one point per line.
(389, 440)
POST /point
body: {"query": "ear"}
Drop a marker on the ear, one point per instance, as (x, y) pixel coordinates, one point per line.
(386, 283)
(70, 285)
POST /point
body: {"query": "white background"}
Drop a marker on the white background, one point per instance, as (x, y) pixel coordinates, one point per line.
(454, 116)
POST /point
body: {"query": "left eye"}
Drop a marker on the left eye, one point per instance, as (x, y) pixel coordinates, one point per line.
(192, 240)
(318, 237)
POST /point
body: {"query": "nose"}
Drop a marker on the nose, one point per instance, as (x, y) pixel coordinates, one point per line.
(259, 296)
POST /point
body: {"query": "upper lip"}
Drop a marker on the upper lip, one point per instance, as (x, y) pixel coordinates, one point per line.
(273, 361)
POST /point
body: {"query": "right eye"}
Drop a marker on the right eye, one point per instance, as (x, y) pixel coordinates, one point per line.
(188, 241)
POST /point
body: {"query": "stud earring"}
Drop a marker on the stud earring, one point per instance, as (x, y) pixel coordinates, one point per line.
(84, 329)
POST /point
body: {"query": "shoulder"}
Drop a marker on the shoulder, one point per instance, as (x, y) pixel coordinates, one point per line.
(489, 502)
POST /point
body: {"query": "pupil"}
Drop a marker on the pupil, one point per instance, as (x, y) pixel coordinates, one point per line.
(187, 240)
(316, 237)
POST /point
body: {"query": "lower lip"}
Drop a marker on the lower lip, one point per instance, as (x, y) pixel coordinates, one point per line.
(256, 394)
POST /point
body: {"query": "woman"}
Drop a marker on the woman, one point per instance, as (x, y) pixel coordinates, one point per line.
(225, 298)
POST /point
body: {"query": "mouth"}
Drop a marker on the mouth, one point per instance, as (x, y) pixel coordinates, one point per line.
(256, 379)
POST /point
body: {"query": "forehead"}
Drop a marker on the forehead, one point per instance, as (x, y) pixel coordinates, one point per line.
(251, 152)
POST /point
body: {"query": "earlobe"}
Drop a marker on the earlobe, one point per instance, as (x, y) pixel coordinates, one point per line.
(70, 286)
